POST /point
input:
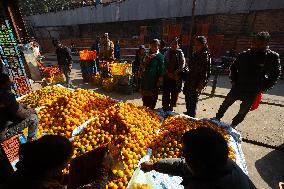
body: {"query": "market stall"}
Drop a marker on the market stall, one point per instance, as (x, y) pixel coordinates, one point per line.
(12, 57)
(92, 120)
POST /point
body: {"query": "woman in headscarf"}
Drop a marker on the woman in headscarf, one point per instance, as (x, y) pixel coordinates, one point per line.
(151, 72)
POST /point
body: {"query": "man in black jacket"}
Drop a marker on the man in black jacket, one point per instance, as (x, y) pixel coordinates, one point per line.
(14, 117)
(64, 59)
(196, 74)
(254, 71)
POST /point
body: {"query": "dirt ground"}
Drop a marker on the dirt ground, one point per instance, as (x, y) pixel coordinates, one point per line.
(264, 125)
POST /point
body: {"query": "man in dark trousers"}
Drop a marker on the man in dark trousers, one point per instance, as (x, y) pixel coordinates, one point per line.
(97, 47)
(14, 117)
(254, 71)
(64, 59)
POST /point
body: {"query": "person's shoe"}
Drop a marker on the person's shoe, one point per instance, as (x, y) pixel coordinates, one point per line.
(186, 113)
(233, 126)
(215, 119)
(165, 109)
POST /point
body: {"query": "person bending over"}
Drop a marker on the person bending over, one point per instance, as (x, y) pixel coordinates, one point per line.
(205, 164)
(14, 117)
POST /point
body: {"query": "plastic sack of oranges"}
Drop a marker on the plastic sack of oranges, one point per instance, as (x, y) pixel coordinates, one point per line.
(108, 84)
(97, 79)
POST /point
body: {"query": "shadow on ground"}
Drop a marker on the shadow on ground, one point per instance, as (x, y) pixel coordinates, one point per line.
(269, 165)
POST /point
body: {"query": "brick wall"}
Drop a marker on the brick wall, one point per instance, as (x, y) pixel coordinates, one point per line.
(236, 30)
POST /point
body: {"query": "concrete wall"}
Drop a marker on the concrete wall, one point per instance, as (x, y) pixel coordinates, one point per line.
(149, 9)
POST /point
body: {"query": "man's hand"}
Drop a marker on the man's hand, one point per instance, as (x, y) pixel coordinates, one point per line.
(23, 106)
(147, 166)
(149, 57)
(70, 67)
(32, 110)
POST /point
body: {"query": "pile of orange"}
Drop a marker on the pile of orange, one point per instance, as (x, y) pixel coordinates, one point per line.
(168, 143)
(44, 96)
(131, 129)
(72, 110)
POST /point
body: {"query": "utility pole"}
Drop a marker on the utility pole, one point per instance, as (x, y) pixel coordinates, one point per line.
(191, 27)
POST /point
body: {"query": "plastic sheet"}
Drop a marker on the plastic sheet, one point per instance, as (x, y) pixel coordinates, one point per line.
(164, 181)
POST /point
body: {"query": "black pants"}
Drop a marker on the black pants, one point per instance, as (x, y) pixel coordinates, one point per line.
(169, 100)
(191, 100)
(171, 90)
(245, 106)
(150, 101)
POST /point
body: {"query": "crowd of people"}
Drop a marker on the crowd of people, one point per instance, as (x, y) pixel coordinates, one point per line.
(254, 71)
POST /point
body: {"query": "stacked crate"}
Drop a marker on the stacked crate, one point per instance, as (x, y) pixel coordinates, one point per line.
(88, 64)
(12, 58)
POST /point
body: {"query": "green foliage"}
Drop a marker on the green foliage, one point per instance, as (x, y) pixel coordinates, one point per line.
(31, 7)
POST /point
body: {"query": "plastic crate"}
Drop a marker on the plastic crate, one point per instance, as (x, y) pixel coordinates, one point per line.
(88, 55)
(121, 69)
(11, 147)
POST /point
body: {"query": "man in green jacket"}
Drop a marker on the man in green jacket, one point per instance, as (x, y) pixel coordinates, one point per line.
(151, 73)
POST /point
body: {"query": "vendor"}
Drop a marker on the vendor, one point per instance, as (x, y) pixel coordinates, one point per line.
(107, 48)
(42, 162)
(205, 163)
(14, 116)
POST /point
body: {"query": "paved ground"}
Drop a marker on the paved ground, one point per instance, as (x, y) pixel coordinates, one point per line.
(264, 125)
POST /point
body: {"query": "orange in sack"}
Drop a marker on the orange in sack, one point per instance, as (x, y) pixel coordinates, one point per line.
(256, 102)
